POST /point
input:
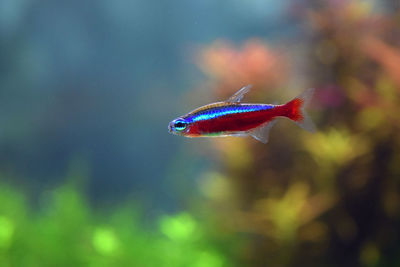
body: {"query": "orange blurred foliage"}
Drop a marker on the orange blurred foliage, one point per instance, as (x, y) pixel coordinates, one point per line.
(255, 63)
(386, 55)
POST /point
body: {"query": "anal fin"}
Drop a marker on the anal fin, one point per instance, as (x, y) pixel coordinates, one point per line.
(261, 133)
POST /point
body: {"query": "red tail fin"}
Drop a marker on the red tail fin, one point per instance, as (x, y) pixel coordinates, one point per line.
(296, 112)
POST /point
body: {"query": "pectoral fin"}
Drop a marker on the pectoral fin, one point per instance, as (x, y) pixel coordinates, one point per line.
(262, 133)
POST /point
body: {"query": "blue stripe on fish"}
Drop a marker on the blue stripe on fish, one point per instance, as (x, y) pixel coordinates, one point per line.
(227, 110)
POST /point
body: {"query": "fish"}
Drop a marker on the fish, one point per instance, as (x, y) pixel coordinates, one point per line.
(234, 118)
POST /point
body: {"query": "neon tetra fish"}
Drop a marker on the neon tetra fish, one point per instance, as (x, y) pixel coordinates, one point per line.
(233, 118)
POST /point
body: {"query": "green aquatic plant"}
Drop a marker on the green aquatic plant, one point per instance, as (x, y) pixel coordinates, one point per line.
(65, 231)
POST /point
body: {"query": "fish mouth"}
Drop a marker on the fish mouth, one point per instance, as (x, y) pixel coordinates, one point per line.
(170, 129)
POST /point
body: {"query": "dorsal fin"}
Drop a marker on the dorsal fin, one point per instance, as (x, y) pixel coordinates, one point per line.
(239, 94)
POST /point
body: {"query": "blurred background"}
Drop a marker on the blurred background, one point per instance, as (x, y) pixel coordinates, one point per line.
(90, 176)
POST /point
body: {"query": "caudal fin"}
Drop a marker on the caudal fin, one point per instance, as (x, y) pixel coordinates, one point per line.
(297, 113)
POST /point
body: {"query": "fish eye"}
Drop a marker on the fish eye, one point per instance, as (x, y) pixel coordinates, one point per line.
(180, 125)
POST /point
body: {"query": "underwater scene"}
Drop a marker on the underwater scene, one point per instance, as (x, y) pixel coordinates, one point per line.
(110, 154)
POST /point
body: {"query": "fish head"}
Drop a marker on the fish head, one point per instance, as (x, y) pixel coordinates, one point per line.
(179, 126)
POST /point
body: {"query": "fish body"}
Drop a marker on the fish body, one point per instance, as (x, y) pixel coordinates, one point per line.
(233, 118)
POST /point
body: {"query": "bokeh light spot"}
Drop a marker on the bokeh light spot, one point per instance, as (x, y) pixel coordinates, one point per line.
(178, 228)
(105, 241)
(6, 231)
(370, 255)
(215, 186)
(208, 259)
